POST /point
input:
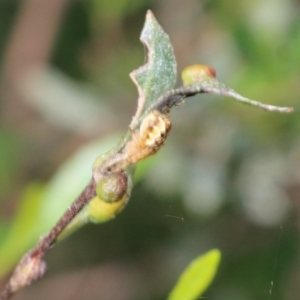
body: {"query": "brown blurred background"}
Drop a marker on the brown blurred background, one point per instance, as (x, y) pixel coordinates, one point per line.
(228, 177)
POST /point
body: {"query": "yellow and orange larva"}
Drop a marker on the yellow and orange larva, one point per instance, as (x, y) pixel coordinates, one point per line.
(145, 141)
(151, 135)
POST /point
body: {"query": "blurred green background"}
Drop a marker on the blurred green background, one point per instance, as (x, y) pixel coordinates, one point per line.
(228, 176)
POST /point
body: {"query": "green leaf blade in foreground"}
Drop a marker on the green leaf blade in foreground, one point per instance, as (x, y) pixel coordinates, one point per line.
(42, 205)
(197, 277)
(24, 230)
(159, 74)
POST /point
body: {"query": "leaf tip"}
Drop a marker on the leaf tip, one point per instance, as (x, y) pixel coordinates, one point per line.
(214, 254)
(149, 14)
(197, 276)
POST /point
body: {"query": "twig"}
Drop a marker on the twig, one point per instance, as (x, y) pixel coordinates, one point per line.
(176, 97)
(31, 266)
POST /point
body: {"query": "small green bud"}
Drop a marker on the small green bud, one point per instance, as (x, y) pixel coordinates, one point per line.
(197, 73)
(111, 188)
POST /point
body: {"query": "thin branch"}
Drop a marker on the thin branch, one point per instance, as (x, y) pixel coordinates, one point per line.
(177, 96)
(31, 266)
(225, 91)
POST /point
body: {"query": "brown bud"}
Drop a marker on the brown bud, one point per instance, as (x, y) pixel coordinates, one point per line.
(111, 188)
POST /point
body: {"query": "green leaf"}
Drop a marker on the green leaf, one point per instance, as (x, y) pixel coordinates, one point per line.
(41, 206)
(70, 179)
(153, 80)
(24, 230)
(197, 277)
(158, 75)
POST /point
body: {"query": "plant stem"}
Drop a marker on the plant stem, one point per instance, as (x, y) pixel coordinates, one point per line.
(31, 266)
(177, 96)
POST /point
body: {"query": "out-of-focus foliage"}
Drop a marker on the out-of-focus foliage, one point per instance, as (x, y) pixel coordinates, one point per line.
(228, 176)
